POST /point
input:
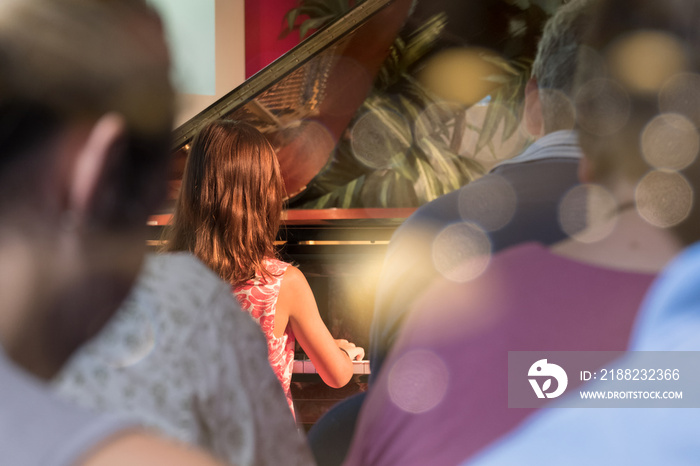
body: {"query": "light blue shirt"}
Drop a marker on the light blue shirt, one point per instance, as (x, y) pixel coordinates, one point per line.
(38, 429)
(669, 321)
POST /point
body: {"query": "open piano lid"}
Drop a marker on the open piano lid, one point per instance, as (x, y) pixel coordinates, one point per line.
(305, 100)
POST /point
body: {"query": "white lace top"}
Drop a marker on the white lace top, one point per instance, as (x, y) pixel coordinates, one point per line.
(182, 357)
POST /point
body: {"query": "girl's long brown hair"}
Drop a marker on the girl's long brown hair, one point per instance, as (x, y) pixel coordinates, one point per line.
(229, 208)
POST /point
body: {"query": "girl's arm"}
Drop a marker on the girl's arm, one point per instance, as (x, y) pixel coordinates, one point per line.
(296, 300)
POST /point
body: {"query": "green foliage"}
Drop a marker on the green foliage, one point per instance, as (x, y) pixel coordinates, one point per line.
(421, 135)
(415, 129)
(405, 53)
(420, 167)
(548, 6)
(318, 13)
(514, 77)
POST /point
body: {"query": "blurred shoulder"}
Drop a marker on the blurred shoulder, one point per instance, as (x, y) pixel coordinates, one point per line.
(179, 279)
(136, 449)
(438, 212)
(179, 268)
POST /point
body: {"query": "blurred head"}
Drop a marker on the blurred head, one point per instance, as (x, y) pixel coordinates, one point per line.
(554, 68)
(230, 203)
(70, 62)
(638, 105)
(85, 116)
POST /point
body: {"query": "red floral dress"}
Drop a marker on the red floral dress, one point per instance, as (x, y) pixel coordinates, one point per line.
(258, 297)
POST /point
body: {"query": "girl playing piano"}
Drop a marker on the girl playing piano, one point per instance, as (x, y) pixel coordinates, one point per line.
(228, 213)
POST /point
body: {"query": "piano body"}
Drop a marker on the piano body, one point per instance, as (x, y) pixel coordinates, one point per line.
(311, 103)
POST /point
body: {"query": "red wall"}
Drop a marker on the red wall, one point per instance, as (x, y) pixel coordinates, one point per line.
(264, 21)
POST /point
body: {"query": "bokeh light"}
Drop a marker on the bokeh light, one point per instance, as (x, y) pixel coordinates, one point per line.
(376, 139)
(418, 381)
(463, 75)
(664, 198)
(670, 141)
(588, 213)
(348, 76)
(560, 106)
(461, 252)
(308, 137)
(490, 204)
(603, 107)
(437, 120)
(590, 64)
(681, 94)
(436, 125)
(643, 61)
(497, 146)
(435, 129)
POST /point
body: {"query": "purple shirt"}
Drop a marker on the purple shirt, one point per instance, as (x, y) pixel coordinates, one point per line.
(442, 394)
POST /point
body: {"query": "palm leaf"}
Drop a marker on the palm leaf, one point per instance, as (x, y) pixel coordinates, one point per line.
(319, 13)
(405, 53)
(342, 197)
(509, 95)
(548, 6)
(423, 39)
(314, 23)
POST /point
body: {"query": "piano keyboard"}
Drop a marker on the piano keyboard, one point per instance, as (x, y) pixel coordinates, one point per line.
(307, 367)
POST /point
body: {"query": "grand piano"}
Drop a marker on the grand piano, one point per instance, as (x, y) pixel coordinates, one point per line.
(361, 146)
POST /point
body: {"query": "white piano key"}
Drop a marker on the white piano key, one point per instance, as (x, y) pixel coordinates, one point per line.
(358, 367)
(298, 367)
(309, 368)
